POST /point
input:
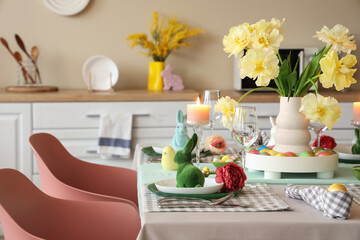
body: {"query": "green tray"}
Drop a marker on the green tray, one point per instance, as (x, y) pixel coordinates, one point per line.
(153, 189)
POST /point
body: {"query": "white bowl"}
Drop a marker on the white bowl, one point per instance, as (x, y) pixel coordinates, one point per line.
(169, 186)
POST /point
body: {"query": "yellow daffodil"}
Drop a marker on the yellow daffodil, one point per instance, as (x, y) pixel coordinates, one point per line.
(226, 106)
(338, 36)
(321, 109)
(237, 40)
(337, 72)
(259, 64)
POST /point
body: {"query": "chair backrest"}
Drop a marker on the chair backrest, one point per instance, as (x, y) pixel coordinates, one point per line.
(64, 176)
(28, 213)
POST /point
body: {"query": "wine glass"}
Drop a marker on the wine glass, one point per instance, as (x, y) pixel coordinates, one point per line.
(318, 129)
(210, 97)
(244, 128)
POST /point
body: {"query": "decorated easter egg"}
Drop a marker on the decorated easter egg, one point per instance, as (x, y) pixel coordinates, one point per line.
(291, 154)
(306, 154)
(265, 154)
(254, 151)
(264, 150)
(261, 147)
(272, 152)
(322, 154)
(281, 155)
(317, 150)
(337, 187)
(249, 149)
(330, 151)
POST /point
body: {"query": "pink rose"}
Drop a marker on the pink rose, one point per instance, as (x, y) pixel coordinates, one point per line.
(232, 175)
(325, 142)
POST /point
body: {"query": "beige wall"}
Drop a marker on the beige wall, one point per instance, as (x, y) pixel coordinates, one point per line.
(66, 42)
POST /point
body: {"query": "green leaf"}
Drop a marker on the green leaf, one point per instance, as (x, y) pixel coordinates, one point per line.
(291, 80)
(311, 70)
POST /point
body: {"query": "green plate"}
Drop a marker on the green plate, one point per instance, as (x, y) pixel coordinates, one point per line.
(153, 189)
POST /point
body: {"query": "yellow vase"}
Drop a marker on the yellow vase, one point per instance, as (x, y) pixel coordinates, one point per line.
(155, 81)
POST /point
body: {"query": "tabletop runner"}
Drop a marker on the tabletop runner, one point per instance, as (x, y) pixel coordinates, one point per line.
(258, 198)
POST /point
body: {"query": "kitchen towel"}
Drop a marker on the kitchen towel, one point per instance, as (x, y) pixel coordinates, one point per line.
(115, 135)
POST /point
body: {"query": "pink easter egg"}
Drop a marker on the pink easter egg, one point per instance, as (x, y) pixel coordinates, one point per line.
(291, 154)
(254, 151)
(323, 154)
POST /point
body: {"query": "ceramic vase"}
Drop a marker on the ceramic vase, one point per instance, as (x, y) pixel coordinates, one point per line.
(292, 134)
(155, 81)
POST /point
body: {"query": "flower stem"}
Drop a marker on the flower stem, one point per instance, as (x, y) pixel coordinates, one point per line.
(255, 89)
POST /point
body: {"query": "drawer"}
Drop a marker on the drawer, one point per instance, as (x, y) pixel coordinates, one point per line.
(87, 115)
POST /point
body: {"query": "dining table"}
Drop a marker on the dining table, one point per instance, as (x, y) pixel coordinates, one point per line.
(273, 215)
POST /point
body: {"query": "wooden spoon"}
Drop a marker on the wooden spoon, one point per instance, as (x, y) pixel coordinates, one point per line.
(18, 57)
(5, 43)
(35, 55)
(21, 44)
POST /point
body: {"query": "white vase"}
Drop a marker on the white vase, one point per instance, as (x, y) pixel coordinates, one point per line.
(292, 134)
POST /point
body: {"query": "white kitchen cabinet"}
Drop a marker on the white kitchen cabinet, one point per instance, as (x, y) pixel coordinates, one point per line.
(15, 129)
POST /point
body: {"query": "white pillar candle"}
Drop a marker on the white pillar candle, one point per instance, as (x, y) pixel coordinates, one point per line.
(198, 114)
(356, 112)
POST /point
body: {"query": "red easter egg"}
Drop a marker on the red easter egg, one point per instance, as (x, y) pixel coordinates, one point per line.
(254, 151)
(323, 154)
(291, 154)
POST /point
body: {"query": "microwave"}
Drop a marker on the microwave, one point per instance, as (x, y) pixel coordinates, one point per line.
(304, 54)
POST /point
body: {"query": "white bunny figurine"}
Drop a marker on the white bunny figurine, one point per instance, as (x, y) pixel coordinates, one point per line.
(272, 132)
(171, 81)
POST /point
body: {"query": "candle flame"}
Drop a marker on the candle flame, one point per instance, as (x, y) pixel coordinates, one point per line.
(198, 100)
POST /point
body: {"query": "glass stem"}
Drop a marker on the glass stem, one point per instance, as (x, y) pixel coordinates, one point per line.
(199, 132)
(243, 153)
(211, 128)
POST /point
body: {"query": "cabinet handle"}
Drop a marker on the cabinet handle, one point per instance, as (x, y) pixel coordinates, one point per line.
(91, 151)
(97, 115)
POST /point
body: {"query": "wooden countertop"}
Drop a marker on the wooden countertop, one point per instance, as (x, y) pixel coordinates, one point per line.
(82, 95)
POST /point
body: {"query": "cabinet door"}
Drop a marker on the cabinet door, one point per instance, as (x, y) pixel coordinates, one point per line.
(15, 129)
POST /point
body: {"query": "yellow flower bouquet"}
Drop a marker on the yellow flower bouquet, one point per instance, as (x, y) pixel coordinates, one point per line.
(164, 39)
(257, 47)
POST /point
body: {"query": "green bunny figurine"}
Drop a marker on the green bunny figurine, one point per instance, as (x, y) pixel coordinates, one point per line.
(356, 148)
(187, 174)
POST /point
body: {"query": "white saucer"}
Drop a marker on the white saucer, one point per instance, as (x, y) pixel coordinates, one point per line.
(344, 151)
(169, 186)
(100, 68)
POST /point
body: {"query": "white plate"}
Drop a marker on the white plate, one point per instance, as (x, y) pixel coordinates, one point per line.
(66, 7)
(100, 67)
(344, 151)
(158, 149)
(169, 186)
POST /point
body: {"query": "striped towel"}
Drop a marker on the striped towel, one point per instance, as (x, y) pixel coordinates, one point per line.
(115, 135)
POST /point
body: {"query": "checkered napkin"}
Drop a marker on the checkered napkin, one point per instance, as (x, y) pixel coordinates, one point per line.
(257, 197)
(334, 204)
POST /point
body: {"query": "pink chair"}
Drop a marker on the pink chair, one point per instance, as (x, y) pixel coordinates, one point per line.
(64, 176)
(27, 213)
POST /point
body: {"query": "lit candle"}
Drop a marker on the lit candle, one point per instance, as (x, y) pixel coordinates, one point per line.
(198, 114)
(356, 112)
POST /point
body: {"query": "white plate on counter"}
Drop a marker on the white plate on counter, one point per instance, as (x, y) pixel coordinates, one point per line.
(169, 186)
(102, 71)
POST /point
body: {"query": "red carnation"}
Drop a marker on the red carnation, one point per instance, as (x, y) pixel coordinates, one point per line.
(232, 175)
(325, 142)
